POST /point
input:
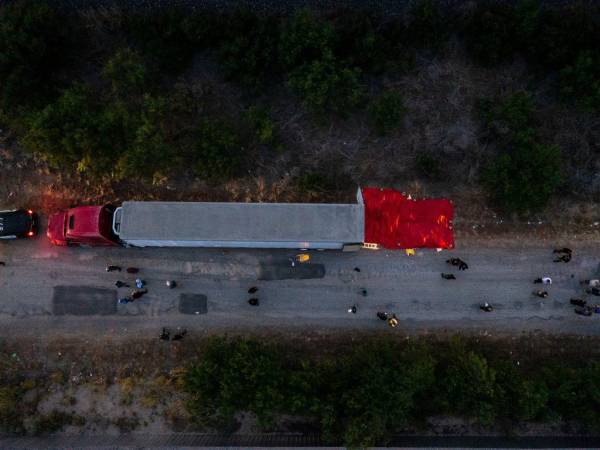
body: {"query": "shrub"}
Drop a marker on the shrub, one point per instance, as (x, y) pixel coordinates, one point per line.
(264, 130)
(509, 115)
(233, 376)
(580, 82)
(149, 155)
(217, 153)
(357, 42)
(65, 131)
(126, 72)
(305, 39)
(55, 421)
(562, 33)
(490, 33)
(387, 111)
(249, 54)
(315, 182)
(525, 177)
(32, 51)
(161, 37)
(428, 165)
(326, 85)
(471, 386)
(427, 25)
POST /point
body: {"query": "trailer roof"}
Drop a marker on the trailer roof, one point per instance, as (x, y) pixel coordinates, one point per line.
(248, 222)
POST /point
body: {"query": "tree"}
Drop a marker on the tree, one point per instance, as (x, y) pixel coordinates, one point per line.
(387, 111)
(217, 153)
(65, 132)
(305, 39)
(249, 54)
(32, 51)
(524, 177)
(326, 85)
(126, 72)
(580, 82)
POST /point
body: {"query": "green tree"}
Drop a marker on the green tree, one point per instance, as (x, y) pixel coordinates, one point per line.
(525, 177)
(326, 85)
(217, 153)
(149, 154)
(234, 376)
(305, 39)
(580, 82)
(249, 54)
(32, 52)
(126, 72)
(470, 385)
(427, 25)
(387, 111)
(65, 131)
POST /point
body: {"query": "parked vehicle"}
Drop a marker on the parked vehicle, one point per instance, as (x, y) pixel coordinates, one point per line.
(17, 223)
(578, 302)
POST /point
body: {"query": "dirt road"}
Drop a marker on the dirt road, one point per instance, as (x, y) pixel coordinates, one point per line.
(43, 285)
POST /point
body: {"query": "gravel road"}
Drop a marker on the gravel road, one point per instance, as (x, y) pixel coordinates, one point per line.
(39, 280)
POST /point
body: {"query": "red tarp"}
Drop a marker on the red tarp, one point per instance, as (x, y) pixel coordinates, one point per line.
(393, 221)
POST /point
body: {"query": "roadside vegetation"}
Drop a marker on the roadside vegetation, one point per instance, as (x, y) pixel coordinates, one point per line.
(357, 393)
(115, 96)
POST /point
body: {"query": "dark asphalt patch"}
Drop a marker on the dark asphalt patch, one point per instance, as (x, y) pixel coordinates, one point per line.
(83, 301)
(193, 304)
(285, 271)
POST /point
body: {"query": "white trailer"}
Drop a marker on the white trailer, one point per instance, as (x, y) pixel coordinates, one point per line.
(241, 225)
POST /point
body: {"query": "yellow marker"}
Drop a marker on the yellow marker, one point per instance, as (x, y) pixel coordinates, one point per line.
(410, 251)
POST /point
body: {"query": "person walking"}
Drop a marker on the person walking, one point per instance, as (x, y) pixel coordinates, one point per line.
(121, 284)
(453, 261)
(139, 283)
(363, 292)
(113, 268)
(253, 290)
(352, 309)
(463, 265)
(171, 284)
(543, 280)
(253, 301)
(448, 276)
(382, 315)
(485, 306)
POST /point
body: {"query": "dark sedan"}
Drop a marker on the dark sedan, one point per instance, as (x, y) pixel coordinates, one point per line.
(17, 223)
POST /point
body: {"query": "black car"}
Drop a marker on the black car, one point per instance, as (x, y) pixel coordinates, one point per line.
(17, 223)
(584, 311)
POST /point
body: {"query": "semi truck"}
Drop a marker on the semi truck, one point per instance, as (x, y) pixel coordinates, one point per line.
(385, 218)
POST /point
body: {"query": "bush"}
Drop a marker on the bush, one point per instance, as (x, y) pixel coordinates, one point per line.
(427, 25)
(509, 115)
(525, 177)
(428, 165)
(580, 82)
(326, 85)
(32, 51)
(305, 39)
(217, 153)
(148, 156)
(65, 132)
(387, 111)
(234, 376)
(562, 33)
(126, 72)
(161, 37)
(490, 33)
(315, 182)
(249, 53)
(264, 130)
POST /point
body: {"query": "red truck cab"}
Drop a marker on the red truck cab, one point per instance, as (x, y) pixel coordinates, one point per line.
(84, 225)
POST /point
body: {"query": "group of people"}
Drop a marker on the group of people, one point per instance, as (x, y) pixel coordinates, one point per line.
(140, 284)
(456, 262)
(592, 287)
